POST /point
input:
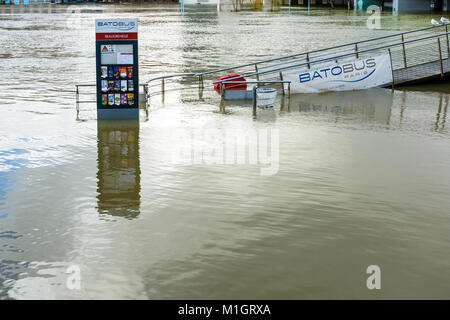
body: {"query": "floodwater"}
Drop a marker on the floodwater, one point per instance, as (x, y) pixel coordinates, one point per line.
(349, 179)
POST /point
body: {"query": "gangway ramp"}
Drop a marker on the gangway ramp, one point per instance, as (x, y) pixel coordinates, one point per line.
(416, 55)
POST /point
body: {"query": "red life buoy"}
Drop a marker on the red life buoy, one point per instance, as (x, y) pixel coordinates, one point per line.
(237, 86)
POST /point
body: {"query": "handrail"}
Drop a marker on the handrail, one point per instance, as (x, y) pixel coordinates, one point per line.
(201, 74)
(256, 81)
(334, 57)
(78, 93)
(309, 58)
(319, 50)
(223, 88)
(93, 84)
(172, 75)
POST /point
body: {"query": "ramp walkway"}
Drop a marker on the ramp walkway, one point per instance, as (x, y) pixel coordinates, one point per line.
(416, 56)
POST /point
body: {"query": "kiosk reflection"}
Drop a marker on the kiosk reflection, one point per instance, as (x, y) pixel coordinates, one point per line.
(118, 176)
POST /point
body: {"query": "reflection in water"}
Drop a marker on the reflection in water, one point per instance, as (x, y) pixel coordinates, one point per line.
(347, 194)
(118, 168)
(441, 114)
(402, 107)
(368, 105)
(285, 104)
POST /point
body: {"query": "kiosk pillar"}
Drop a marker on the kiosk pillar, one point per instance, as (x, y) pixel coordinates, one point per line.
(117, 68)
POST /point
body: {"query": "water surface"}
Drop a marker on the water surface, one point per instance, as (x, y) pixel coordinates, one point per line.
(363, 177)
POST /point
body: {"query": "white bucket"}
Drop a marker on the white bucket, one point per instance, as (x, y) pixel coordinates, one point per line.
(266, 97)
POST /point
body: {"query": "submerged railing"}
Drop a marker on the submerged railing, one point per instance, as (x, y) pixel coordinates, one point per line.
(79, 93)
(223, 88)
(407, 49)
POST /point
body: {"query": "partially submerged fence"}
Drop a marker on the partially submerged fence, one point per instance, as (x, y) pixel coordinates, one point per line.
(415, 55)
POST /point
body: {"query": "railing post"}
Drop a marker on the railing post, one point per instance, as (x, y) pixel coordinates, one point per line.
(257, 73)
(200, 81)
(77, 97)
(282, 84)
(404, 51)
(223, 88)
(356, 50)
(146, 95)
(448, 46)
(254, 101)
(392, 69)
(440, 56)
(162, 85)
(307, 60)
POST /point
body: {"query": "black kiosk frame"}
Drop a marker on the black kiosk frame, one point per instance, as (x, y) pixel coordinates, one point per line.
(117, 69)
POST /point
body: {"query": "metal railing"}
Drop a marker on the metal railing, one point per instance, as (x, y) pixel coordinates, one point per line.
(406, 49)
(357, 49)
(258, 82)
(90, 85)
(427, 56)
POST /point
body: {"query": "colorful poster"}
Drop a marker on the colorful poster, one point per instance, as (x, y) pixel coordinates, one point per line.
(111, 99)
(104, 71)
(130, 72)
(104, 99)
(117, 85)
(104, 85)
(117, 99)
(123, 85)
(116, 72)
(130, 85)
(123, 98)
(110, 85)
(130, 99)
(123, 72)
(110, 72)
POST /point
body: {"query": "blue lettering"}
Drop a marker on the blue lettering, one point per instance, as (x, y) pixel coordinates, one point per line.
(325, 70)
(316, 75)
(336, 73)
(305, 77)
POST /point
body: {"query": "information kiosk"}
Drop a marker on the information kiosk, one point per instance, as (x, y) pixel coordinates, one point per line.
(117, 68)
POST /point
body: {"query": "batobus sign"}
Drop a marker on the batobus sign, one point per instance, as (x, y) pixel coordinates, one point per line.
(349, 75)
(117, 68)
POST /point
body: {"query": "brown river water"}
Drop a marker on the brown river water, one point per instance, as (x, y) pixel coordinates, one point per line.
(354, 179)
